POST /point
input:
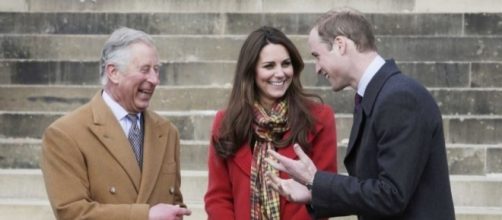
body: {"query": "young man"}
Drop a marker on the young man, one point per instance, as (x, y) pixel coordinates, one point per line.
(396, 157)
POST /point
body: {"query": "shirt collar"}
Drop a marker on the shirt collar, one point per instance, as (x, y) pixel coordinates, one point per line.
(118, 111)
(369, 73)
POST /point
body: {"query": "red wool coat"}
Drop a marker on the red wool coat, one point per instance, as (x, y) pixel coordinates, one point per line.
(228, 193)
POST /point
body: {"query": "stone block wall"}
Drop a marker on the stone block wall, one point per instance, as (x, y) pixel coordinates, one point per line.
(49, 52)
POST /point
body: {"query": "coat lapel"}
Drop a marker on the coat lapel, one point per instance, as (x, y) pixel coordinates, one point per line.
(154, 148)
(367, 103)
(354, 132)
(107, 129)
(243, 159)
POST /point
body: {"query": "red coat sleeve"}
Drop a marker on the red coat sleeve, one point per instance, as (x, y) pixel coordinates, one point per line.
(218, 199)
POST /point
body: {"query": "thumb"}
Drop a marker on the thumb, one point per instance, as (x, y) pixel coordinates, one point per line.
(183, 211)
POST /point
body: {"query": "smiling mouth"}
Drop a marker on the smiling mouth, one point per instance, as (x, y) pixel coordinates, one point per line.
(277, 83)
(147, 92)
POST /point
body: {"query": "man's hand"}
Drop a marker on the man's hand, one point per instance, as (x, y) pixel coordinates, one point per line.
(164, 211)
(302, 170)
(289, 188)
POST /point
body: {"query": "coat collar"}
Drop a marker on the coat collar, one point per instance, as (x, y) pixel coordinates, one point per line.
(388, 69)
(154, 149)
(108, 130)
(375, 85)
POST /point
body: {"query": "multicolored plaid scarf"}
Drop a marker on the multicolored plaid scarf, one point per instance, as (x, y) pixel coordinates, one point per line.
(267, 127)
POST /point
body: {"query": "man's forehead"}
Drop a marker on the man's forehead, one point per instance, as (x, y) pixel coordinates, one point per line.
(314, 36)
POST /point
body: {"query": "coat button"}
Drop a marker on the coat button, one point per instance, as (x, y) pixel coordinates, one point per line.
(113, 190)
(171, 190)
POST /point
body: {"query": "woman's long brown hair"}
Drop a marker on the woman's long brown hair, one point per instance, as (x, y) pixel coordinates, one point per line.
(236, 125)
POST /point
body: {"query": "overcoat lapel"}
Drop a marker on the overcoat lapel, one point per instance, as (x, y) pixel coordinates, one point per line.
(243, 159)
(154, 148)
(107, 129)
(354, 132)
(367, 103)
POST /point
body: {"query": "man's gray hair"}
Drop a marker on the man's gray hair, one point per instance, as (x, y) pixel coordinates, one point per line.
(116, 51)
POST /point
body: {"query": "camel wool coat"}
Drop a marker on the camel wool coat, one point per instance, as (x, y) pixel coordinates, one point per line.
(90, 171)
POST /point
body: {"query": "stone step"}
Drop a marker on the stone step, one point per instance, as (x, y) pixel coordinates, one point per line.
(478, 213)
(29, 184)
(236, 23)
(24, 209)
(469, 160)
(471, 191)
(477, 101)
(431, 74)
(254, 6)
(196, 125)
(478, 191)
(39, 209)
(224, 47)
(25, 154)
(462, 159)
(232, 23)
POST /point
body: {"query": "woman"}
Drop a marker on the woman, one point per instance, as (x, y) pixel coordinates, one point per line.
(268, 109)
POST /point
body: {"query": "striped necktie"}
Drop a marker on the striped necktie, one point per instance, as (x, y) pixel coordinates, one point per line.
(136, 138)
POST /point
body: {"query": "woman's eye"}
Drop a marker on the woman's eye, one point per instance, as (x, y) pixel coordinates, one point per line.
(270, 66)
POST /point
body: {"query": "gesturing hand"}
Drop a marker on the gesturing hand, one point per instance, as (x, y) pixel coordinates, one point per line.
(302, 170)
(289, 188)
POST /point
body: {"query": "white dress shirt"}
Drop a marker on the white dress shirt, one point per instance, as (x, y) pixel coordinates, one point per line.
(369, 73)
(120, 113)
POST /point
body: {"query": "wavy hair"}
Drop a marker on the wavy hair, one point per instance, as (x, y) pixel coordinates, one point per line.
(235, 128)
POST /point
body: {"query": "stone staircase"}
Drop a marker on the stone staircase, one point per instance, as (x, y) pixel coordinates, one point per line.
(49, 53)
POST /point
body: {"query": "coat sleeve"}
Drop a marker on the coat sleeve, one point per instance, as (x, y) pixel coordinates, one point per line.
(67, 184)
(402, 130)
(218, 199)
(324, 144)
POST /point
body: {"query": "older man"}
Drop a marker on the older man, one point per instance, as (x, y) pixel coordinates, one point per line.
(113, 158)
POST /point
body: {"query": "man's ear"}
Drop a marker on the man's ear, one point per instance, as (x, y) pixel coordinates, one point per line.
(340, 44)
(112, 72)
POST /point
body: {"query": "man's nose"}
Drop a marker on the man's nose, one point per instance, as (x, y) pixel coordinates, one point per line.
(153, 77)
(317, 68)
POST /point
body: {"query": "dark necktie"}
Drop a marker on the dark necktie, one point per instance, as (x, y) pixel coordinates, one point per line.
(357, 102)
(136, 138)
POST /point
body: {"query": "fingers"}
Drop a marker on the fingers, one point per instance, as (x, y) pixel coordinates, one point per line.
(185, 212)
(276, 183)
(275, 164)
(271, 181)
(182, 211)
(277, 156)
(283, 163)
(298, 150)
(303, 157)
